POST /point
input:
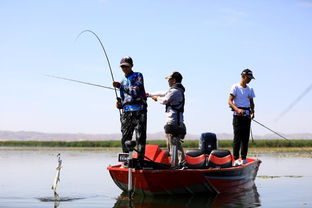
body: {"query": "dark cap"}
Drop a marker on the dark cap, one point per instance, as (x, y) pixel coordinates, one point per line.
(175, 75)
(126, 61)
(248, 73)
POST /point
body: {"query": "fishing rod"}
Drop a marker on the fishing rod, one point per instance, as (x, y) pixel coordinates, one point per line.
(290, 142)
(270, 129)
(109, 65)
(86, 83)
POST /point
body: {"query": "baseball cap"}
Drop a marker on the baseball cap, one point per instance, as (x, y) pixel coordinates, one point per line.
(175, 75)
(248, 73)
(126, 61)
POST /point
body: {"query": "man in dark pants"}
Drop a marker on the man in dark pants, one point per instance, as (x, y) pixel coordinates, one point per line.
(241, 102)
(133, 105)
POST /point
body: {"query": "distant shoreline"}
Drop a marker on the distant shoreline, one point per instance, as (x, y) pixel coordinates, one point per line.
(187, 144)
(42, 136)
(254, 152)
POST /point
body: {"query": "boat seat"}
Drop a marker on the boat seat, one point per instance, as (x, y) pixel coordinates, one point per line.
(194, 152)
(154, 153)
(219, 158)
(197, 162)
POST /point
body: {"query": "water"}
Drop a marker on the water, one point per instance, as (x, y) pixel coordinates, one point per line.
(26, 176)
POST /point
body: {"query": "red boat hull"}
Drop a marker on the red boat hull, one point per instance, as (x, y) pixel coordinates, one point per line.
(187, 181)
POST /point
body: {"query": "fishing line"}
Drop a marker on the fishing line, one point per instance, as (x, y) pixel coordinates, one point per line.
(251, 135)
(294, 102)
(82, 82)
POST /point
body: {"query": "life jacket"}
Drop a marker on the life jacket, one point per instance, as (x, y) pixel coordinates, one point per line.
(179, 108)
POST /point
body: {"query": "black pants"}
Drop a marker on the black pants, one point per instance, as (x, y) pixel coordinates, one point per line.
(241, 127)
(130, 122)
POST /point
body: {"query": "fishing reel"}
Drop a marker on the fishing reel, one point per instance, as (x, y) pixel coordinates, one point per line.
(130, 145)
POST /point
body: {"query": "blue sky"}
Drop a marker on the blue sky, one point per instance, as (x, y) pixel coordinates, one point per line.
(209, 42)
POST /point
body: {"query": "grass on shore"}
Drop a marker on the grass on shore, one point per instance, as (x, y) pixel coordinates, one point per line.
(161, 143)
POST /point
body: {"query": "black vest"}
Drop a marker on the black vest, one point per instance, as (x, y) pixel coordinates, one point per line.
(179, 108)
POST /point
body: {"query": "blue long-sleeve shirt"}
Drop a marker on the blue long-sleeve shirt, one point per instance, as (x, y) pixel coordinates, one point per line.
(132, 92)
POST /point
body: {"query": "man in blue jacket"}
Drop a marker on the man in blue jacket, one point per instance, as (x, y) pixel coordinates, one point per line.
(133, 105)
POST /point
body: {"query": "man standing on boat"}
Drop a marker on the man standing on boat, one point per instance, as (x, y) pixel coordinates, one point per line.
(174, 126)
(133, 105)
(241, 102)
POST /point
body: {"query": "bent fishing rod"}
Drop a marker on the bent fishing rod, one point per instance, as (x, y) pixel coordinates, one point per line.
(107, 59)
(81, 82)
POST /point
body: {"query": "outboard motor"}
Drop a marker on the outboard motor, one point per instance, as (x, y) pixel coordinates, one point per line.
(196, 158)
(208, 142)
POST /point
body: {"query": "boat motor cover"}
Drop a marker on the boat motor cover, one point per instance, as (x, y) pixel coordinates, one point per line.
(208, 142)
(220, 159)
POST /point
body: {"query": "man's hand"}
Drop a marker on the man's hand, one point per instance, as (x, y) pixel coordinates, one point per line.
(154, 98)
(118, 104)
(252, 113)
(116, 84)
(240, 111)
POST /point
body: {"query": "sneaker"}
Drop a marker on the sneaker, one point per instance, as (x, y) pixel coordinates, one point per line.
(237, 162)
(244, 161)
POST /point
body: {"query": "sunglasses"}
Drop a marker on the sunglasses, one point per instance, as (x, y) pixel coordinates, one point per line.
(124, 66)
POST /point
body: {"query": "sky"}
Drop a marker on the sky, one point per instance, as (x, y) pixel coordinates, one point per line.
(209, 42)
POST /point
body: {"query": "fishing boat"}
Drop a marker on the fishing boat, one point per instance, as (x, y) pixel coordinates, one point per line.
(207, 170)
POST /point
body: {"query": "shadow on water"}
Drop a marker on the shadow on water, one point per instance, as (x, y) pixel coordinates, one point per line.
(247, 198)
(59, 199)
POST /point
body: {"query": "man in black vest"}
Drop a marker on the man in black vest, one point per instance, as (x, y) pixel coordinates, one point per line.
(174, 126)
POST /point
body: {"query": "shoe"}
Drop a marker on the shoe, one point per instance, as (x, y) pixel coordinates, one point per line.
(244, 161)
(237, 162)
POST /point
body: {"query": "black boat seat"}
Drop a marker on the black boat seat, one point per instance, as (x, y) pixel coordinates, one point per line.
(220, 158)
(194, 152)
(198, 162)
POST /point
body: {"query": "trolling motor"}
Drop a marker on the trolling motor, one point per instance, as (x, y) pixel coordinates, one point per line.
(126, 158)
(130, 146)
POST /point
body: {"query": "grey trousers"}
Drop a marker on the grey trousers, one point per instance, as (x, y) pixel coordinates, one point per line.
(174, 145)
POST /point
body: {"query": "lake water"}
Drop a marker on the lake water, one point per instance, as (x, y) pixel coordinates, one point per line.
(26, 176)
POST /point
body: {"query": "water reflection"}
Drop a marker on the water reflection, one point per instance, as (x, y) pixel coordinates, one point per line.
(58, 200)
(247, 198)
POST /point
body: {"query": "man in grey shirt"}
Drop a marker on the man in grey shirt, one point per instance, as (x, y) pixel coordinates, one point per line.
(174, 126)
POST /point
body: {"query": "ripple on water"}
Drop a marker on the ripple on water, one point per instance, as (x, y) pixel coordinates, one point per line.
(59, 199)
(286, 176)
